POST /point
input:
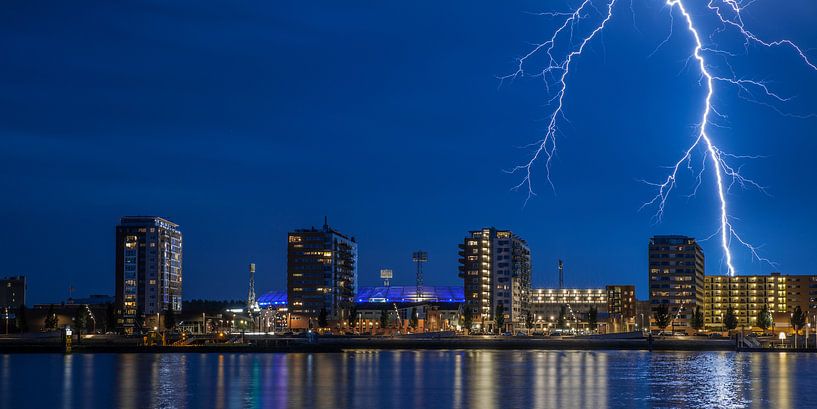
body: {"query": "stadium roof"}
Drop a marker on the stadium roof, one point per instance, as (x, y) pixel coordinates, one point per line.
(395, 293)
(407, 293)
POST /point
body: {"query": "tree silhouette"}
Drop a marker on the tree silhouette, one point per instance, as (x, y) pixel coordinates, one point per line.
(322, 318)
(764, 318)
(662, 317)
(798, 319)
(697, 321)
(500, 317)
(593, 317)
(170, 319)
(730, 321)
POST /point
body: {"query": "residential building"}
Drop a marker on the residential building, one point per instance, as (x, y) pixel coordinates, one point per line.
(12, 292)
(148, 270)
(676, 278)
(747, 295)
(621, 307)
(495, 266)
(321, 276)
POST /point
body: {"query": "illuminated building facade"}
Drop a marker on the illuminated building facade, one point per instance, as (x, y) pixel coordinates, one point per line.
(748, 294)
(148, 269)
(321, 274)
(547, 303)
(495, 266)
(676, 277)
(615, 307)
(621, 306)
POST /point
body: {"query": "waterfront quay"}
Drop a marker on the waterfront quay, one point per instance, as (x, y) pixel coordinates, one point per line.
(276, 343)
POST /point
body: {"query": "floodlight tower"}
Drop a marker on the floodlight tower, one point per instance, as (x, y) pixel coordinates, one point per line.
(419, 257)
(561, 275)
(386, 275)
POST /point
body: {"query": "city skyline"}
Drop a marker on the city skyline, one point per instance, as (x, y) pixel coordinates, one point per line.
(400, 138)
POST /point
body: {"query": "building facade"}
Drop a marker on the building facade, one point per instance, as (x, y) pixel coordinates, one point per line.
(676, 278)
(615, 308)
(148, 270)
(321, 274)
(747, 295)
(566, 308)
(621, 306)
(12, 292)
(495, 266)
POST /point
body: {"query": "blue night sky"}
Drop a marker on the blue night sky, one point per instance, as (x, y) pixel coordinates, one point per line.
(242, 121)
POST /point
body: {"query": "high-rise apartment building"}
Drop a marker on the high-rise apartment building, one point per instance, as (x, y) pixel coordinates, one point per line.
(676, 277)
(12, 292)
(495, 266)
(321, 275)
(148, 269)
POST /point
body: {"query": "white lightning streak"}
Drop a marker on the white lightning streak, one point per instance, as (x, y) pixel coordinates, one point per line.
(547, 146)
(558, 70)
(737, 23)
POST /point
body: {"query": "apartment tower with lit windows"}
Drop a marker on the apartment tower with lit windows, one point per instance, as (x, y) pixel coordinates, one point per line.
(676, 273)
(321, 275)
(495, 266)
(148, 270)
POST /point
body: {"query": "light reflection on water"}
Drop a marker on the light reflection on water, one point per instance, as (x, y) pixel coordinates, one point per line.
(411, 379)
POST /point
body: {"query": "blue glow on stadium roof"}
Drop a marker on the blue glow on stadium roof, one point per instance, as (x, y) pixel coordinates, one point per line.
(395, 293)
(407, 293)
(273, 299)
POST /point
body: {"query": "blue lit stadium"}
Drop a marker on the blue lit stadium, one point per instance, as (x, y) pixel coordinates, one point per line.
(395, 293)
(273, 299)
(398, 293)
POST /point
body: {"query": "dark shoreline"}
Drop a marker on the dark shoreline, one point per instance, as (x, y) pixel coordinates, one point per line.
(340, 344)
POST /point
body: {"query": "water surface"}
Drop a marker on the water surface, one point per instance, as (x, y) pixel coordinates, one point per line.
(411, 379)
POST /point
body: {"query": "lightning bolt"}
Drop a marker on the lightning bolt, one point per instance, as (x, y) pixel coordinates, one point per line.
(556, 70)
(559, 68)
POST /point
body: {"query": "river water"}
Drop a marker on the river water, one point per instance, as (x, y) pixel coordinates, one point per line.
(411, 379)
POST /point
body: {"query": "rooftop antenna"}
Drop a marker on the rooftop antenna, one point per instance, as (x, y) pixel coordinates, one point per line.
(252, 303)
(419, 257)
(561, 275)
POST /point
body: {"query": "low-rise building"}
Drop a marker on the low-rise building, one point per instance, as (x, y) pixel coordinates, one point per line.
(747, 295)
(614, 304)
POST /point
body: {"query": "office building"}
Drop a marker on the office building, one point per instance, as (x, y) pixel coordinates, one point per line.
(321, 275)
(676, 277)
(12, 292)
(148, 270)
(495, 266)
